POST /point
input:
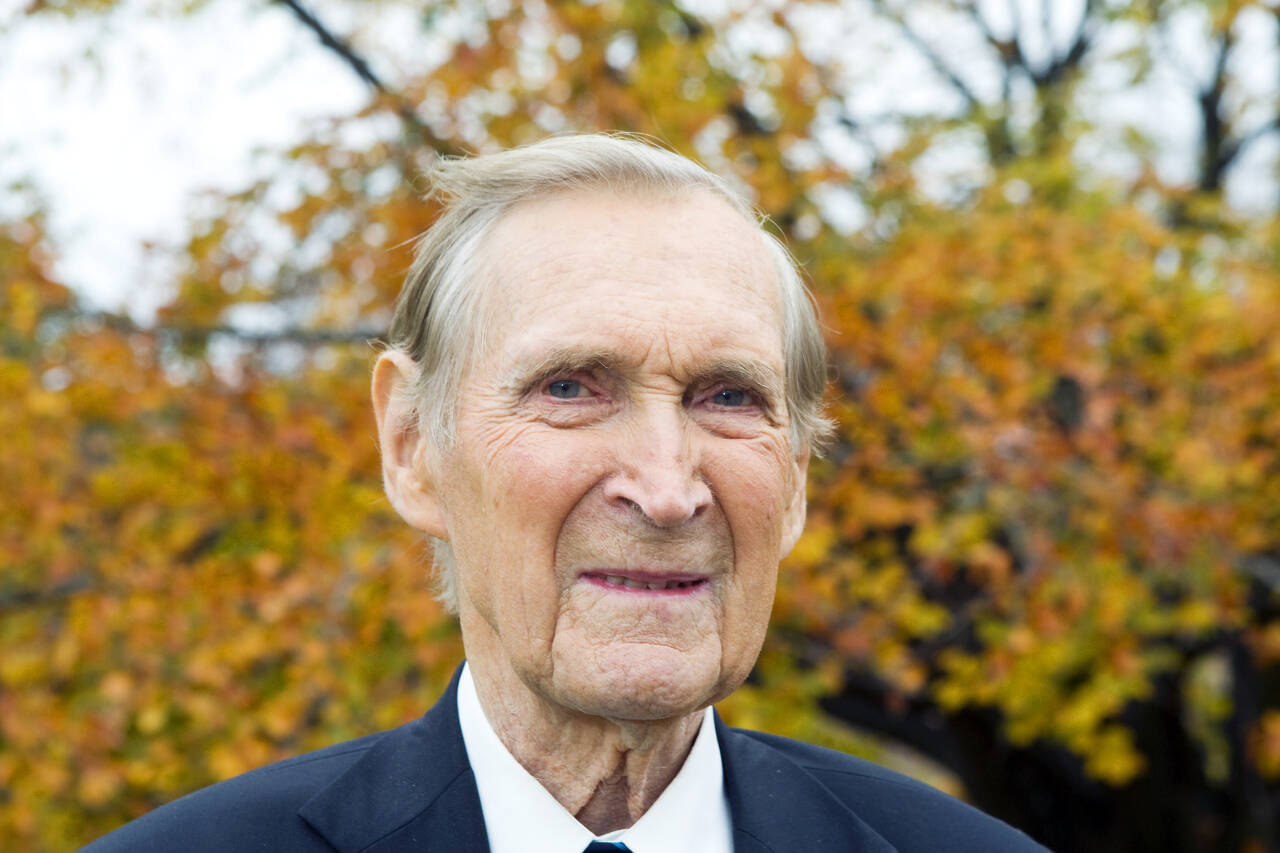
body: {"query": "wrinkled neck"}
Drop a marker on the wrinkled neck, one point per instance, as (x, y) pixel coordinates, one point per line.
(605, 772)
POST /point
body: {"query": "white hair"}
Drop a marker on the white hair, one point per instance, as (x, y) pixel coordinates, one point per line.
(438, 321)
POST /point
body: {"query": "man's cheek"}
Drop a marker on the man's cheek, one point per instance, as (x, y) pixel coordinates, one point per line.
(543, 477)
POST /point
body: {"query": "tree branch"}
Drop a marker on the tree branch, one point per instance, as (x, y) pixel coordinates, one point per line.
(342, 48)
(1254, 813)
(1046, 27)
(1015, 29)
(1233, 148)
(1264, 569)
(931, 56)
(16, 598)
(306, 337)
(336, 44)
(1213, 139)
(1069, 60)
(1009, 50)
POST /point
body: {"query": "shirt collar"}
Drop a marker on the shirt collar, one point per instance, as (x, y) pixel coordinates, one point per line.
(521, 816)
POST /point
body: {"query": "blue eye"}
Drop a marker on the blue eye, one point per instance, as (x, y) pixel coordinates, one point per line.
(732, 397)
(565, 389)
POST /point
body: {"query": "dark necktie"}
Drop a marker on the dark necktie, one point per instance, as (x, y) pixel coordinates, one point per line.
(607, 847)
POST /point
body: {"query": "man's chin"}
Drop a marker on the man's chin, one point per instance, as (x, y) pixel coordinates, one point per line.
(640, 682)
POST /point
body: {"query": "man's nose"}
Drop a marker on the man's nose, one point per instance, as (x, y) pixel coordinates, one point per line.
(659, 474)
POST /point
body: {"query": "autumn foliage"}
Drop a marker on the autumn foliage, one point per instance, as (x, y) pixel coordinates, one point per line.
(1042, 551)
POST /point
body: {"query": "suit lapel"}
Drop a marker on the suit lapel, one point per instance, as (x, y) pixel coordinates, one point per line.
(413, 791)
(777, 806)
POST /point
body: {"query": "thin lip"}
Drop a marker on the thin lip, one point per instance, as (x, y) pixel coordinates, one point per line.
(643, 576)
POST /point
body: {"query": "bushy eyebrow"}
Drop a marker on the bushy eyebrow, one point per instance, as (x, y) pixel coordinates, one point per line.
(524, 374)
(753, 376)
(740, 372)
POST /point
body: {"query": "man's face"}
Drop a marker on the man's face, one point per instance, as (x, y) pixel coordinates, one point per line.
(623, 485)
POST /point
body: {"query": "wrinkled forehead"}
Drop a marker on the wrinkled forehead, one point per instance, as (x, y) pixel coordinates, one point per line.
(661, 255)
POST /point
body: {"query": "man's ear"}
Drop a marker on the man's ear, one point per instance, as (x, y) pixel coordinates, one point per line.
(794, 515)
(405, 454)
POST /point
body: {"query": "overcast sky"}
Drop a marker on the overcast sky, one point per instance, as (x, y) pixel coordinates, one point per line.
(119, 121)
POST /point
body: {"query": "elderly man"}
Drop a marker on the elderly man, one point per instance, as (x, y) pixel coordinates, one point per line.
(600, 396)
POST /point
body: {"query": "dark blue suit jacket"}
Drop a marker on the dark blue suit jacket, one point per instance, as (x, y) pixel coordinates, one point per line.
(412, 789)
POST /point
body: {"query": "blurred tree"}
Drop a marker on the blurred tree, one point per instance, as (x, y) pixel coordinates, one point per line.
(1042, 550)
(1031, 75)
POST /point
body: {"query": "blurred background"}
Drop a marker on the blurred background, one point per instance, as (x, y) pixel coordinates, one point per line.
(1042, 568)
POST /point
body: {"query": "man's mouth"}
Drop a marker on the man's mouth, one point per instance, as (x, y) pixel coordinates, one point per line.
(645, 582)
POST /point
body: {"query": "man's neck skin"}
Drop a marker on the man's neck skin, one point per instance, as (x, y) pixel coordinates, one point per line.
(606, 773)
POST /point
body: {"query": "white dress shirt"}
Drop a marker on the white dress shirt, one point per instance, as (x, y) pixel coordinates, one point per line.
(520, 816)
